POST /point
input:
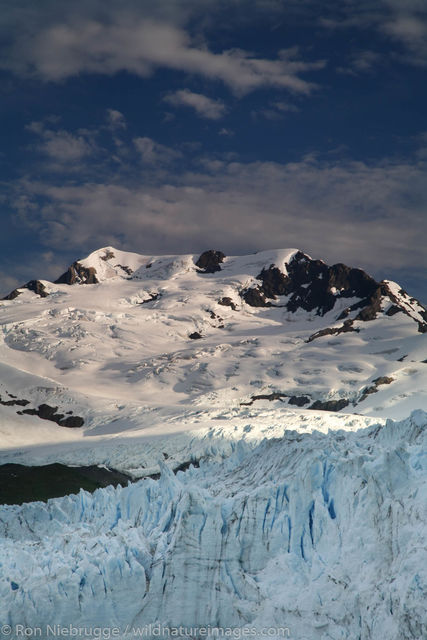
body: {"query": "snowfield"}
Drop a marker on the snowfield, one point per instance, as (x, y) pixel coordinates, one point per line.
(271, 393)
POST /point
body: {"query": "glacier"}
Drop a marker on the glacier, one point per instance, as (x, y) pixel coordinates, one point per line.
(321, 532)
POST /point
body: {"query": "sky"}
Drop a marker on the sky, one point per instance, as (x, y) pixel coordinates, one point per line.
(176, 126)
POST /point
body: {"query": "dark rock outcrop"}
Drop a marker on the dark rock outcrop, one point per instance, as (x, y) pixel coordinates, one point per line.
(255, 298)
(374, 387)
(195, 335)
(345, 328)
(46, 412)
(33, 285)
(227, 302)
(37, 287)
(312, 285)
(264, 396)
(391, 311)
(15, 402)
(330, 405)
(72, 422)
(209, 261)
(422, 327)
(217, 318)
(317, 286)
(273, 283)
(126, 269)
(79, 274)
(299, 401)
(13, 294)
(108, 255)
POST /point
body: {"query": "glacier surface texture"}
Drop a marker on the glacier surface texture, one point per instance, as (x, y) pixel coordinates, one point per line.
(322, 533)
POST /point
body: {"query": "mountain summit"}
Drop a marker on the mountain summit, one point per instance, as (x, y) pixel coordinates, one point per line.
(147, 333)
(300, 282)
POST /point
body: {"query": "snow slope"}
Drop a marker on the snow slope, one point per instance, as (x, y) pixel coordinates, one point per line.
(118, 353)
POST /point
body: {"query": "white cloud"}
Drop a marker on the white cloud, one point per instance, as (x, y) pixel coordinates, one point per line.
(205, 107)
(402, 22)
(61, 146)
(410, 31)
(153, 153)
(366, 215)
(64, 147)
(116, 119)
(131, 40)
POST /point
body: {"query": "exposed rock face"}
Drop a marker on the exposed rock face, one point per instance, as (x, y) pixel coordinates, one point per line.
(77, 273)
(15, 402)
(276, 395)
(195, 335)
(299, 401)
(374, 387)
(46, 412)
(312, 285)
(393, 310)
(126, 269)
(108, 255)
(347, 326)
(37, 287)
(13, 294)
(330, 405)
(210, 260)
(227, 302)
(255, 298)
(274, 283)
(33, 285)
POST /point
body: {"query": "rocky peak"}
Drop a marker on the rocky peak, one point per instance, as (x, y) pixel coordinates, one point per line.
(33, 285)
(312, 285)
(210, 260)
(77, 273)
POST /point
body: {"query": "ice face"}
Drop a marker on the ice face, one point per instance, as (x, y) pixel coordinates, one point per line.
(323, 533)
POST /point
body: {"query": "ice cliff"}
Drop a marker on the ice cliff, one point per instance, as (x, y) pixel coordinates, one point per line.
(322, 533)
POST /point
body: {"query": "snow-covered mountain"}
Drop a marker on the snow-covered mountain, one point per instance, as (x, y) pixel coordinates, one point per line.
(259, 388)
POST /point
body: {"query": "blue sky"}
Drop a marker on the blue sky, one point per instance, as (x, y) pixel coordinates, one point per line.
(239, 125)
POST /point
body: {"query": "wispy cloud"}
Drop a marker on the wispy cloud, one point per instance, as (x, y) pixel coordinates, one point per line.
(401, 24)
(372, 214)
(154, 153)
(116, 119)
(410, 31)
(363, 61)
(90, 153)
(136, 40)
(276, 110)
(205, 107)
(61, 146)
